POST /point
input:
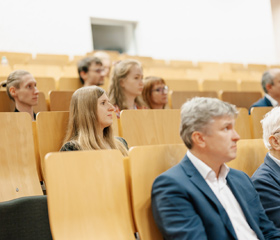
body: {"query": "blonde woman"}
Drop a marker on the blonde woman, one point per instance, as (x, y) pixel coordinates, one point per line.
(155, 92)
(90, 120)
(21, 87)
(126, 86)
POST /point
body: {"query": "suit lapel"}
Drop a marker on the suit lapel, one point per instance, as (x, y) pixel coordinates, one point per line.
(202, 185)
(244, 206)
(269, 104)
(269, 162)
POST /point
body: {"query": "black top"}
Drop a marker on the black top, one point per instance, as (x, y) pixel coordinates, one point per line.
(71, 146)
(34, 114)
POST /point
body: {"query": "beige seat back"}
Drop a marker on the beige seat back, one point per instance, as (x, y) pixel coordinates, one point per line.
(18, 174)
(51, 130)
(146, 163)
(241, 99)
(257, 114)
(60, 100)
(87, 195)
(243, 124)
(250, 155)
(178, 98)
(150, 126)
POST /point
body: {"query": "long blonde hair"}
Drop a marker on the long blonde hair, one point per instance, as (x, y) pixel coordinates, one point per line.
(116, 94)
(83, 123)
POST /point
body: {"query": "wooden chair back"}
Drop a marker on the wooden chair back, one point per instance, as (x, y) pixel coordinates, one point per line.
(41, 70)
(241, 99)
(87, 195)
(146, 163)
(150, 126)
(8, 105)
(60, 100)
(178, 98)
(248, 86)
(250, 155)
(213, 85)
(182, 85)
(257, 114)
(243, 124)
(69, 83)
(50, 59)
(16, 57)
(18, 174)
(45, 85)
(51, 130)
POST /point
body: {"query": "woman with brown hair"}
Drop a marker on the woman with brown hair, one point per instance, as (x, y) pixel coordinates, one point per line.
(155, 92)
(126, 85)
(90, 120)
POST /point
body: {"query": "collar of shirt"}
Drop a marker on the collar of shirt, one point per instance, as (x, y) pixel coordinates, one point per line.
(207, 173)
(277, 161)
(272, 100)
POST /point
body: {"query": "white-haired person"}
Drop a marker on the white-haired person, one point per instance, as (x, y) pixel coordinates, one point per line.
(267, 177)
(21, 87)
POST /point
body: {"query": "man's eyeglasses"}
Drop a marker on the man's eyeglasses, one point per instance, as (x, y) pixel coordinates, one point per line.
(161, 90)
(276, 132)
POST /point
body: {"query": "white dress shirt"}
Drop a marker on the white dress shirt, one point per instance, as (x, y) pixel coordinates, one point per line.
(277, 161)
(225, 196)
(272, 100)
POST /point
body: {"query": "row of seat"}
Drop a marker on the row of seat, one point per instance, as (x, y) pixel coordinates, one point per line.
(121, 205)
(62, 59)
(46, 84)
(153, 127)
(101, 194)
(167, 72)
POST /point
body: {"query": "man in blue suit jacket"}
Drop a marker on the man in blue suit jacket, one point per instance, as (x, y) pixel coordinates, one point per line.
(267, 177)
(271, 87)
(201, 198)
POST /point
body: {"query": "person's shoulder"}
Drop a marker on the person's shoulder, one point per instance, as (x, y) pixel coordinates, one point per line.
(261, 171)
(123, 141)
(238, 176)
(173, 175)
(263, 102)
(69, 146)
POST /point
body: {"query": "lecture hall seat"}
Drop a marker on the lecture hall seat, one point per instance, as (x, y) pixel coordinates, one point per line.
(257, 114)
(150, 126)
(178, 98)
(18, 173)
(250, 155)
(241, 99)
(88, 196)
(145, 164)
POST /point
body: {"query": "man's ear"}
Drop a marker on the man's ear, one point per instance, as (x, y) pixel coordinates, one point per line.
(12, 91)
(83, 75)
(268, 86)
(198, 139)
(274, 142)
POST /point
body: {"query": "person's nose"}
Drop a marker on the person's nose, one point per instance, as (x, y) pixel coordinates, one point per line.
(103, 73)
(235, 136)
(36, 91)
(111, 107)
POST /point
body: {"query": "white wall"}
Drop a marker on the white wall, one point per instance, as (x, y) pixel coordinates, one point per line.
(199, 30)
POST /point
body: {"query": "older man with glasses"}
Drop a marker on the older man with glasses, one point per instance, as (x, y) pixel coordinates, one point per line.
(267, 177)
